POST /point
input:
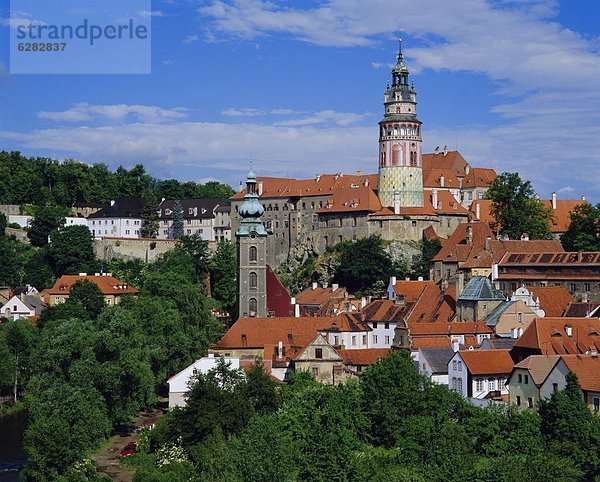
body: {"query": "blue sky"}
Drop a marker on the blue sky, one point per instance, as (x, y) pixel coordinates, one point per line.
(298, 86)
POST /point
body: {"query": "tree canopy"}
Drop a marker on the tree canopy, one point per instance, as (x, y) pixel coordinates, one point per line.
(583, 233)
(516, 208)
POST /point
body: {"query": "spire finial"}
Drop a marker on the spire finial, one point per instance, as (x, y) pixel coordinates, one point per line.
(400, 45)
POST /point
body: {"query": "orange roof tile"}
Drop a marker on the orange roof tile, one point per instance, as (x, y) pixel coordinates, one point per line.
(364, 357)
(452, 161)
(554, 300)
(479, 177)
(487, 362)
(109, 285)
(434, 341)
(587, 369)
(451, 328)
(410, 290)
(319, 295)
(361, 198)
(433, 179)
(549, 336)
(456, 249)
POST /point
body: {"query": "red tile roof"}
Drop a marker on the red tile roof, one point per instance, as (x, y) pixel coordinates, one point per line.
(411, 290)
(587, 369)
(479, 177)
(433, 179)
(456, 249)
(554, 300)
(319, 295)
(452, 161)
(359, 199)
(452, 328)
(487, 362)
(549, 336)
(364, 357)
(435, 341)
(279, 301)
(109, 285)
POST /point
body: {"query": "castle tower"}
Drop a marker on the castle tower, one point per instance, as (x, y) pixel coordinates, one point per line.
(400, 164)
(252, 255)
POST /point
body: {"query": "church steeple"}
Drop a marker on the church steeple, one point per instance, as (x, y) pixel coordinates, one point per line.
(252, 254)
(400, 175)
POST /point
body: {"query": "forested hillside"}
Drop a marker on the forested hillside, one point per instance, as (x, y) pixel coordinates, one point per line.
(43, 181)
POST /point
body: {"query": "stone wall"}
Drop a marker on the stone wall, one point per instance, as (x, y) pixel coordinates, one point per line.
(147, 250)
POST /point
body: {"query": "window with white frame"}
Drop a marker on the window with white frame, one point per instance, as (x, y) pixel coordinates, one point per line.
(459, 366)
(459, 384)
(491, 384)
(479, 385)
(454, 365)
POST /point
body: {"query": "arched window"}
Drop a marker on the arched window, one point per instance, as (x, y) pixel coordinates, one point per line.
(396, 155)
(252, 306)
(252, 254)
(253, 280)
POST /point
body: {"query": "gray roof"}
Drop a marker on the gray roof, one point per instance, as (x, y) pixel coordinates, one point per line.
(498, 343)
(437, 358)
(192, 208)
(123, 207)
(494, 316)
(480, 288)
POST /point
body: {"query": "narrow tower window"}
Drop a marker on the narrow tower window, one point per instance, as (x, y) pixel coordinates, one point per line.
(252, 306)
(253, 280)
(252, 254)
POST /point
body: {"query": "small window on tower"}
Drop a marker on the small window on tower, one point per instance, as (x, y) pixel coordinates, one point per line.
(252, 254)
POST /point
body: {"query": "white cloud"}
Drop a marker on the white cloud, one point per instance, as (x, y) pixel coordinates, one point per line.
(116, 112)
(377, 65)
(325, 117)
(189, 39)
(153, 13)
(246, 112)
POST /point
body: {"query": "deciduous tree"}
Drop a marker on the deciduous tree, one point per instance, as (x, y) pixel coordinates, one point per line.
(583, 233)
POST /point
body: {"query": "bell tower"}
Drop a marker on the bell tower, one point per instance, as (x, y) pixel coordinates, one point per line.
(252, 255)
(400, 163)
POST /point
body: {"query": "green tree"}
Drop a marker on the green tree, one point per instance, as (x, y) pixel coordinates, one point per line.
(429, 248)
(197, 249)
(516, 209)
(3, 224)
(261, 390)
(177, 220)
(37, 269)
(87, 294)
(12, 260)
(362, 264)
(223, 275)
(149, 218)
(20, 337)
(583, 233)
(71, 251)
(46, 220)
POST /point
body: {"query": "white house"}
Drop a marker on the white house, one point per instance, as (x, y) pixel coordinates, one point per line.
(122, 219)
(433, 363)
(22, 306)
(179, 383)
(480, 374)
(200, 217)
(25, 221)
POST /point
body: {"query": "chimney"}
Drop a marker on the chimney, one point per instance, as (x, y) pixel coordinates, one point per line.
(363, 302)
(393, 280)
(396, 202)
(260, 188)
(553, 200)
(569, 330)
(334, 287)
(325, 284)
(112, 203)
(434, 197)
(407, 278)
(315, 285)
(280, 350)
(442, 181)
(445, 150)
(478, 211)
(420, 278)
(460, 283)
(467, 169)
(366, 183)
(583, 198)
(240, 187)
(437, 150)
(469, 235)
(488, 243)
(525, 237)
(514, 333)
(455, 345)
(82, 274)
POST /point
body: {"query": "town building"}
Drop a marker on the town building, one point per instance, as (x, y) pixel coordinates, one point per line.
(121, 219)
(320, 300)
(111, 288)
(578, 272)
(587, 369)
(433, 363)
(479, 298)
(22, 306)
(536, 378)
(480, 374)
(207, 218)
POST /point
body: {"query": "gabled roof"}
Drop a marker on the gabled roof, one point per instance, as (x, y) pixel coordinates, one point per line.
(123, 207)
(580, 309)
(279, 301)
(452, 328)
(539, 366)
(451, 161)
(319, 295)
(456, 249)
(359, 199)
(109, 285)
(410, 290)
(493, 317)
(434, 305)
(437, 358)
(587, 369)
(363, 357)
(554, 300)
(479, 177)
(480, 288)
(386, 311)
(498, 343)
(549, 336)
(487, 362)
(433, 179)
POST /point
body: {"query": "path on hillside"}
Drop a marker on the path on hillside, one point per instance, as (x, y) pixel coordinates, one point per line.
(108, 461)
